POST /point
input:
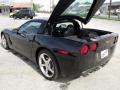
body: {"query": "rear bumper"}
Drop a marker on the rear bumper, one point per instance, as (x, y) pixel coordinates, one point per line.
(74, 66)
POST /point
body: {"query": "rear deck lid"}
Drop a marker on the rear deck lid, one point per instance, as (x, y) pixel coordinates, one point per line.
(82, 10)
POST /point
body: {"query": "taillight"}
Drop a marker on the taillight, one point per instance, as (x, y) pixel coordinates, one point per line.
(93, 47)
(84, 49)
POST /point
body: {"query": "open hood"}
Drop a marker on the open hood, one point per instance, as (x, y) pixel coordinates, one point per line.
(82, 10)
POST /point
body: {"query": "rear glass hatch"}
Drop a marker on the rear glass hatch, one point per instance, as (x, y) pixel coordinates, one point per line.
(82, 10)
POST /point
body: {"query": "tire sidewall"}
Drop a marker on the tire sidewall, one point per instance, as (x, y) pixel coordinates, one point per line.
(31, 17)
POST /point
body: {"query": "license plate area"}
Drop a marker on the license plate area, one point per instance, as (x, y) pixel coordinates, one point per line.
(104, 54)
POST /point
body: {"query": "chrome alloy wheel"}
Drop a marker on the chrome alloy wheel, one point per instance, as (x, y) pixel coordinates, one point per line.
(3, 41)
(46, 65)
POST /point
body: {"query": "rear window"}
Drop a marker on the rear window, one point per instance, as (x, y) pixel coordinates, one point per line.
(79, 8)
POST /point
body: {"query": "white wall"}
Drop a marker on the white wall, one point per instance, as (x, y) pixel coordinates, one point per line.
(46, 4)
(22, 0)
(6, 2)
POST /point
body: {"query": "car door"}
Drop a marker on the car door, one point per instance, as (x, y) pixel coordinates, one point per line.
(23, 13)
(22, 40)
(18, 14)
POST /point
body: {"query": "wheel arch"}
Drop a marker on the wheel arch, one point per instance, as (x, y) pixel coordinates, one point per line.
(2, 33)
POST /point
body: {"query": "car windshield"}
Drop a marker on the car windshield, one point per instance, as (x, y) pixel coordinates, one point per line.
(79, 8)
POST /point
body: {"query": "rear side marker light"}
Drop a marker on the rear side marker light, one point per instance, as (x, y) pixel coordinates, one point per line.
(93, 47)
(84, 49)
(63, 52)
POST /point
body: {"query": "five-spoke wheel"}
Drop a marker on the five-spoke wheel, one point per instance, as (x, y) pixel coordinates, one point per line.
(47, 65)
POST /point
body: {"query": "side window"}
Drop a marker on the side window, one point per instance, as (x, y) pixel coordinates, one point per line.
(18, 12)
(26, 11)
(30, 28)
(23, 12)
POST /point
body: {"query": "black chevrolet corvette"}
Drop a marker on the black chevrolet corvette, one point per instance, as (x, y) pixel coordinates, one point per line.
(60, 45)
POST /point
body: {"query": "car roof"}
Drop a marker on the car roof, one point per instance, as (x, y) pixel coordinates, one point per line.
(40, 19)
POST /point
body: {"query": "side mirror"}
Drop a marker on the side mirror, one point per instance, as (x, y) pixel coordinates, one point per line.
(23, 34)
(15, 30)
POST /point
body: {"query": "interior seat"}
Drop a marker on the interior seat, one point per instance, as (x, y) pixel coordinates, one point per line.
(69, 30)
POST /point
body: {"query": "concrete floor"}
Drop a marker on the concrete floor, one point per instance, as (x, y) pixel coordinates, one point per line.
(18, 73)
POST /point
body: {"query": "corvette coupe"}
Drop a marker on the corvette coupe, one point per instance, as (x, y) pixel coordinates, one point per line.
(60, 45)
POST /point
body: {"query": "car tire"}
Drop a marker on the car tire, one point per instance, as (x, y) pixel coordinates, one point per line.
(31, 17)
(4, 42)
(47, 65)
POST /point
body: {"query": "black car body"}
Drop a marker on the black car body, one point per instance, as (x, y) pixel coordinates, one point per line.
(72, 48)
(24, 13)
